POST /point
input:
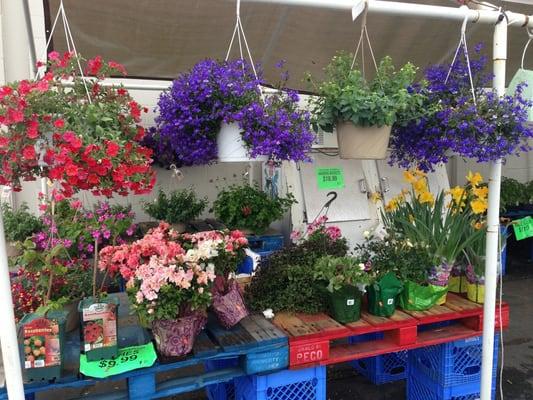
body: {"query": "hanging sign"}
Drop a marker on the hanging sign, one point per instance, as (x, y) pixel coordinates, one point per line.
(329, 178)
(128, 359)
(523, 228)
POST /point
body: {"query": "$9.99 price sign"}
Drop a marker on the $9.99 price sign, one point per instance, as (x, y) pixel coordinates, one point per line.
(128, 359)
(330, 178)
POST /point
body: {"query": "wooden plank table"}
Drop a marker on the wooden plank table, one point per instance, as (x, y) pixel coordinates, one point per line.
(255, 345)
(317, 339)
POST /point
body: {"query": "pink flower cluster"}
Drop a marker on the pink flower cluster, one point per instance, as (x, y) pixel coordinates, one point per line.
(318, 226)
(126, 259)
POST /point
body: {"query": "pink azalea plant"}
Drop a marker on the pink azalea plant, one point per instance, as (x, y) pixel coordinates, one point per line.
(317, 227)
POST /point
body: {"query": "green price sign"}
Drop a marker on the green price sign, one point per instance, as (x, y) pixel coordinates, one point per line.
(329, 178)
(523, 228)
(128, 359)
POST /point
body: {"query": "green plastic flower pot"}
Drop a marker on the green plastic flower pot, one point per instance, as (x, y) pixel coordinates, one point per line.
(382, 295)
(41, 345)
(345, 304)
(99, 322)
(415, 297)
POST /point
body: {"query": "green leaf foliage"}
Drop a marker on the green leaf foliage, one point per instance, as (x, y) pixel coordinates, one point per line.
(286, 281)
(177, 207)
(249, 208)
(19, 224)
(345, 95)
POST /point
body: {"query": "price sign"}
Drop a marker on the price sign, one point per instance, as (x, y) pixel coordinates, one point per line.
(128, 359)
(330, 178)
(523, 228)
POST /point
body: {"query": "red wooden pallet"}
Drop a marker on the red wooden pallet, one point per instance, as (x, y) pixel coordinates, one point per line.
(316, 339)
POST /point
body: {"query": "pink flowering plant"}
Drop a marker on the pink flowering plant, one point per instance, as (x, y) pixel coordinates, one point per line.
(164, 281)
(316, 230)
(225, 250)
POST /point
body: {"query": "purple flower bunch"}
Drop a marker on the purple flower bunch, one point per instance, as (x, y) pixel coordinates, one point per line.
(487, 129)
(440, 274)
(78, 229)
(212, 92)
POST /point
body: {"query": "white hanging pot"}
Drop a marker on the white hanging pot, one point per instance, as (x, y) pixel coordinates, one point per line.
(362, 142)
(231, 147)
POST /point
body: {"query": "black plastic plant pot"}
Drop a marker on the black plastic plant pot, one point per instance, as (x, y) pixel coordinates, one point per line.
(345, 304)
(99, 327)
(42, 341)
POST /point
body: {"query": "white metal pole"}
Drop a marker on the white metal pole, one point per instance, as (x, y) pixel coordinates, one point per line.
(493, 224)
(16, 66)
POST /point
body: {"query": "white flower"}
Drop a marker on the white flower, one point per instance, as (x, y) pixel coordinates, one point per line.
(408, 242)
(366, 234)
(361, 266)
(268, 313)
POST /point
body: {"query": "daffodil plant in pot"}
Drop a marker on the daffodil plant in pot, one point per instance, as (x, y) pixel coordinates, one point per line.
(344, 279)
(441, 227)
(363, 111)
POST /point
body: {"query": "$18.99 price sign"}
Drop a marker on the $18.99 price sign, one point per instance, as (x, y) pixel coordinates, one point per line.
(128, 359)
(330, 178)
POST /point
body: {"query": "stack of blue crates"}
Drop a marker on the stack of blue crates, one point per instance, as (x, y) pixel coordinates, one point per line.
(450, 371)
(302, 384)
(380, 369)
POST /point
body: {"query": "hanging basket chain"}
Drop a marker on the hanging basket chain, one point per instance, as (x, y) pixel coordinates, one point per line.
(530, 35)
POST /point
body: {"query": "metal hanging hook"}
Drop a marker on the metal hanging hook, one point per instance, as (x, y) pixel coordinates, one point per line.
(530, 35)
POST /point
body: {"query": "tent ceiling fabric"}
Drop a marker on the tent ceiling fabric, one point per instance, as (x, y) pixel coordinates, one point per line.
(160, 38)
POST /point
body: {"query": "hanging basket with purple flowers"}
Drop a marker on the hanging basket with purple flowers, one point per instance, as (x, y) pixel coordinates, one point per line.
(468, 119)
(215, 94)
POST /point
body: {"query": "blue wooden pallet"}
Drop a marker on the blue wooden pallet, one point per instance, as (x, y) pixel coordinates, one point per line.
(251, 340)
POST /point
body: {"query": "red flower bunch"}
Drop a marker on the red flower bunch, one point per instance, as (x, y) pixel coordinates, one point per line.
(84, 135)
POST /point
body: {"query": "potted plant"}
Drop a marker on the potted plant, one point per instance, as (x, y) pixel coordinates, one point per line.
(42, 330)
(513, 194)
(18, 226)
(169, 287)
(443, 227)
(362, 111)
(486, 128)
(284, 282)
(382, 260)
(177, 208)
(216, 111)
(345, 279)
(249, 209)
(224, 251)
(84, 136)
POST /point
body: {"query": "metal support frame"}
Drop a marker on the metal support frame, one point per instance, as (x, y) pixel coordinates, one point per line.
(16, 54)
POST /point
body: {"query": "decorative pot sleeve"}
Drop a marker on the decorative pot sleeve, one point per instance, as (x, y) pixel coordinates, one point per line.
(175, 338)
(229, 308)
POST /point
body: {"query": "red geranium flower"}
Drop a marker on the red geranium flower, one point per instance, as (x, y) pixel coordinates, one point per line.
(29, 153)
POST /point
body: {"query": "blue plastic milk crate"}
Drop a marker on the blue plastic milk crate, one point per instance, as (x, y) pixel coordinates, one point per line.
(225, 390)
(419, 387)
(303, 384)
(380, 369)
(453, 363)
(265, 243)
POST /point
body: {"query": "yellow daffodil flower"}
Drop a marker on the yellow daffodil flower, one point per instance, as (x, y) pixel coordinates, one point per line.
(391, 205)
(375, 197)
(474, 179)
(481, 192)
(479, 206)
(409, 177)
(426, 197)
(420, 186)
(457, 193)
(420, 174)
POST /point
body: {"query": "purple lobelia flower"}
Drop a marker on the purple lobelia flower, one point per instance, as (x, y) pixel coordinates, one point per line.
(490, 128)
(212, 92)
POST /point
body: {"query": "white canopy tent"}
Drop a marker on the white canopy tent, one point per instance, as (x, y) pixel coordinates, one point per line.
(290, 29)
